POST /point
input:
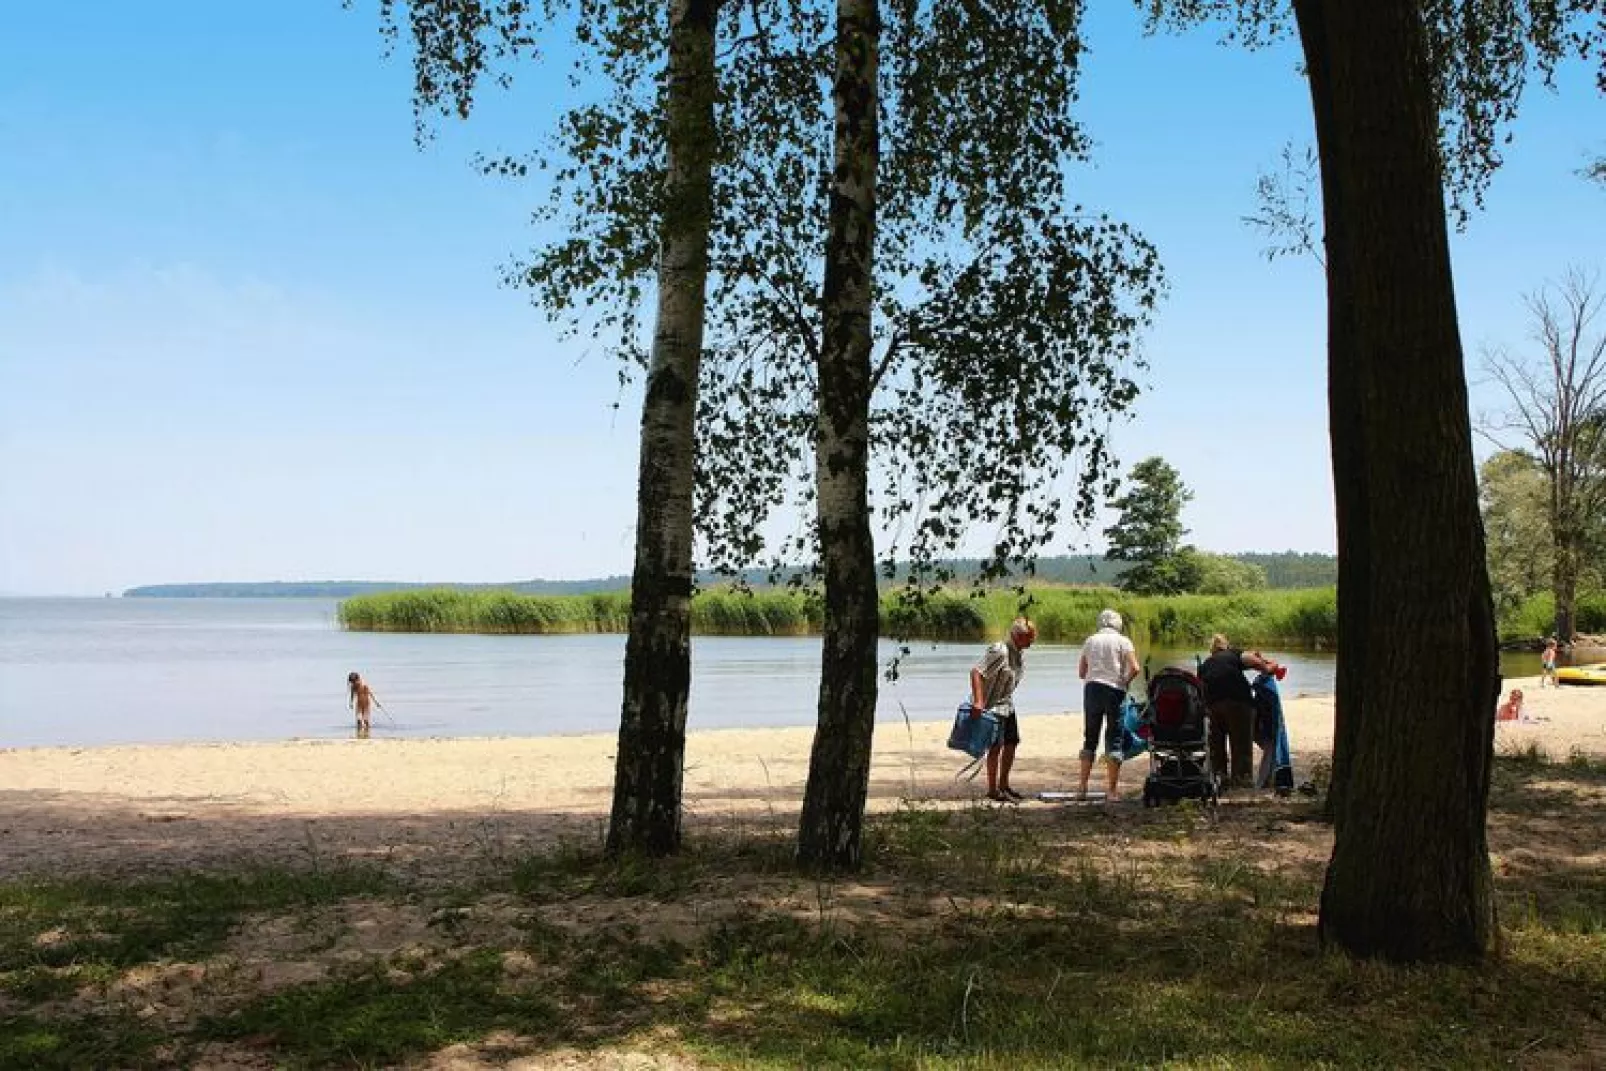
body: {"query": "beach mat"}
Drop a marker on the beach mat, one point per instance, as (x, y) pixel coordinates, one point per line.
(1070, 797)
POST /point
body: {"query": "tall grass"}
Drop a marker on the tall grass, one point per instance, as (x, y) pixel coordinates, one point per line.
(446, 610)
(1298, 618)
(1063, 614)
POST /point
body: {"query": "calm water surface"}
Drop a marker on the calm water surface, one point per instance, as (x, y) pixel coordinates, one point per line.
(100, 671)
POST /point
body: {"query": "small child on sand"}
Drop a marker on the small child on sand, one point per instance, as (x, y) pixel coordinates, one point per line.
(1547, 664)
(1511, 709)
(360, 698)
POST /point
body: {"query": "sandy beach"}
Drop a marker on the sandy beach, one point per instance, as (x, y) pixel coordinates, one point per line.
(442, 806)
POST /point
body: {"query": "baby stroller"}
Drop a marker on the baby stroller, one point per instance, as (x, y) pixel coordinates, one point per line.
(1179, 750)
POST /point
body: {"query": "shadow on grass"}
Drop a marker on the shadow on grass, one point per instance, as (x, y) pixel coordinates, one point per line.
(998, 989)
(85, 1041)
(57, 938)
(96, 925)
(1029, 938)
(1045, 951)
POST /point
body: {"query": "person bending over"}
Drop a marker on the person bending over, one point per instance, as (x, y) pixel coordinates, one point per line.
(993, 681)
(1232, 709)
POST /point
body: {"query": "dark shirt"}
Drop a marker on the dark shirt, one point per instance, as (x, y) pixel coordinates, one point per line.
(1223, 677)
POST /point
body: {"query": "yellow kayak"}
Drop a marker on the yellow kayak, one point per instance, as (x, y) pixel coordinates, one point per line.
(1595, 674)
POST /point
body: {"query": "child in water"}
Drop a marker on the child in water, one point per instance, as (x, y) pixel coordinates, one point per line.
(360, 698)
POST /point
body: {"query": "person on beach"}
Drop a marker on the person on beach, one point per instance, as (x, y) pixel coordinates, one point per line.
(993, 681)
(1547, 664)
(1232, 708)
(359, 697)
(1108, 664)
(1511, 709)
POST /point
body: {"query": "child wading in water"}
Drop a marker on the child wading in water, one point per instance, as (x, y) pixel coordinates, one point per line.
(360, 698)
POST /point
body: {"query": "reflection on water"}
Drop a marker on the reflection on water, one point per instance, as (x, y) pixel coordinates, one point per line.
(94, 671)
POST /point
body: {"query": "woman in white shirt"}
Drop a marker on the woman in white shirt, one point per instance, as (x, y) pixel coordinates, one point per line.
(1109, 663)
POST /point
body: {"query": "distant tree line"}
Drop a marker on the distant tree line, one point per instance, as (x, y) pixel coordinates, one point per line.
(1288, 569)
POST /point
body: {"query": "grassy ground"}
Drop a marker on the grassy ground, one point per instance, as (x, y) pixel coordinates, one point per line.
(1037, 937)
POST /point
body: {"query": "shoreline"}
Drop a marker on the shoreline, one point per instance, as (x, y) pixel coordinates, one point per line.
(450, 804)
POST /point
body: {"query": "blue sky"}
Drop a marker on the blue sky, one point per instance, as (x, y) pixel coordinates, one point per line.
(249, 331)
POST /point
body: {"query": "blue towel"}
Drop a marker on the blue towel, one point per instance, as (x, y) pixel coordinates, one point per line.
(1271, 731)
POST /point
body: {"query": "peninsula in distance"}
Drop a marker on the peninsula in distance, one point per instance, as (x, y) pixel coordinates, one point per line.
(1288, 569)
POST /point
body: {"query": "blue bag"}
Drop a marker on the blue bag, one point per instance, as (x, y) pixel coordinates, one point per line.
(974, 735)
(1135, 731)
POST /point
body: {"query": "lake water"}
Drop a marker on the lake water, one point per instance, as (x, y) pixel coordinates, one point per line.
(102, 671)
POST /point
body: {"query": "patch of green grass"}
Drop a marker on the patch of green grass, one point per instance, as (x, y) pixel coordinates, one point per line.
(567, 870)
(370, 1019)
(1580, 761)
(1519, 770)
(84, 1041)
(37, 985)
(1002, 991)
(1525, 757)
(119, 924)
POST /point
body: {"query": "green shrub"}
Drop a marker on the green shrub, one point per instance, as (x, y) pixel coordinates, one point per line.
(1535, 616)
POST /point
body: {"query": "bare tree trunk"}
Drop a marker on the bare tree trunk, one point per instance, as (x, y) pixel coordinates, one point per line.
(1409, 878)
(1564, 531)
(839, 766)
(1560, 413)
(650, 764)
(1564, 582)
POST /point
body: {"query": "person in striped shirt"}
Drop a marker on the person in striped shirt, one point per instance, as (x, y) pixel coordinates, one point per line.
(993, 681)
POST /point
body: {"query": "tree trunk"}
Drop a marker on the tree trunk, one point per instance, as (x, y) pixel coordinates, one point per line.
(1409, 878)
(650, 764)
(839, 765)
(1564, 575)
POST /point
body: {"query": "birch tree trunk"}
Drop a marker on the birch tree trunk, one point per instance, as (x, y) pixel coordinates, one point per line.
(1409, 879)
(829, 834)
(649, 768)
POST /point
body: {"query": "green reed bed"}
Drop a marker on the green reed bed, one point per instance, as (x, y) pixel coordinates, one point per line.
(781, 612)
(716, 613)
(1067, 615)
(1063, 614)
(446, 610)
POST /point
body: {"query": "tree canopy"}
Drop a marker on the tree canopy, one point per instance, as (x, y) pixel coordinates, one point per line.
(1555, 413)
(1149, 532)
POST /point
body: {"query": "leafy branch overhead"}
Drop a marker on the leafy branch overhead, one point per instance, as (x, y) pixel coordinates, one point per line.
(1482, 56)
(1006, 316)
(1005, 323)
